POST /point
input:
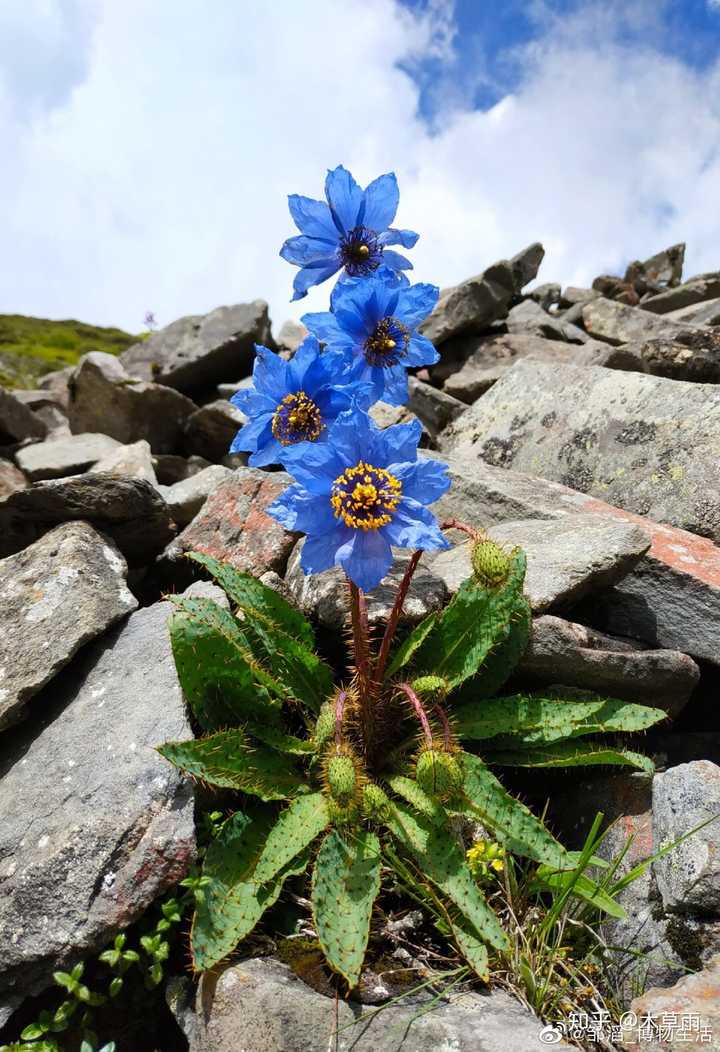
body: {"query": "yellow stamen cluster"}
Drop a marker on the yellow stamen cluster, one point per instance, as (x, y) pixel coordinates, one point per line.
(297, 419)
(485, 858)
(365, 497)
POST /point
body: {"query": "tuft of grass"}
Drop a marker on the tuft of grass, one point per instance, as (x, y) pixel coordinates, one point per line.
(30, 347)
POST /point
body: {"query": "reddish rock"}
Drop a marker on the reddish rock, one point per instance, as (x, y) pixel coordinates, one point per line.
(686, 1015)
(11, 479)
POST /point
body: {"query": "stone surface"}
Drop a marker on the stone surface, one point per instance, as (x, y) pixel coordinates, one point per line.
(479, 301)
(435, 409)
(259, 1005)
(171, 468)
(566, 560)
(618, 323)
(291, 335)
(186, 498)
(11, 479)
(686, 295)
(647, 444)
(670, 600)
(130, 511)
(60, 457)
(529, 317)
(707, 313)
(17, 421)
(48, 408)
(324, 596)
(576, 656)
(211, 429)
(133, 461)
(105, 397)
(491, 358)
(106, 825)
(697, 358)
(233, 526)
(55, 596)
(687, 1015)
(199, 351)
(684, 796)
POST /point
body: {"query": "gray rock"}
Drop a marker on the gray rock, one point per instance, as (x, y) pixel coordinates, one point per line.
(700, 314)
(134, 461)
(211, 429)
(291, 335)
(259, 1005)
(490, 358)
(687, 295)
(199, 351)
(62, 591)
(56, 384)
(529, 317)
(479, 301)
(11, 479)
(106, 825)
(324, 595)
(104, 397)
(547, 295)
(577, 556)
(186, 498)
(665, 267)
(17, 421)
(695, 359)
(684, 796)
(645, 443)
(171, 468)
(130, 511)
(435, 409)
(48, 408)
(573, 295)
(561, 652)
(228, 390)
(617, 323)
(687, 1014)
(60, 457)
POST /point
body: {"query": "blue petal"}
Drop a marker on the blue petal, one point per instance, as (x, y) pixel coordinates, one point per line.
(313, 218)
(314, 465)
(395, 261)
(406, 238)
(396, 444)
(283, 508)
(304, 513)
(415, 302)
(252, 434)
(352, 435)
(425, 481)
(344, 197)
(382, 198)
(366, 558)
(319, 553)
(252, 402)
(324, 325)
(303, 250)
(420, 351)
(313, 275)
(414, 526)
(331, 401)
(305, 356)
(395, 385)
(270, 374)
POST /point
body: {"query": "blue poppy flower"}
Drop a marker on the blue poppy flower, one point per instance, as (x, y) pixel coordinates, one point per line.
(293, 402)
(352, 231)
(375, 322)
(359, 493)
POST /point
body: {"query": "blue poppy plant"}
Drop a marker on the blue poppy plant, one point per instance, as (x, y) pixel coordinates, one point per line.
(374, 320)
(358, 494)
(293, 402)
(350, 231)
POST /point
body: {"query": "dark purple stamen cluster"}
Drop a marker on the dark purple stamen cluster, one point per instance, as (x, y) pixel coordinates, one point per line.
(360, 251)
(387, 344)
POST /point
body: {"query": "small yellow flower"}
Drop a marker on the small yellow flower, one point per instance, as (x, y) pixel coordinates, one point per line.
(485, 858)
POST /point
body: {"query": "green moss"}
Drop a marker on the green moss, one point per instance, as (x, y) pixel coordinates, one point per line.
(30, 347)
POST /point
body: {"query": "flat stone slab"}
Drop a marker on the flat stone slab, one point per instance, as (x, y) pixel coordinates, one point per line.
(260, 1005)
(697, 290)
(619, 323)
(199, 351)
(55, 596)
(128, 510)
(647, 444)
(60, 457)
(566, 561)
(95, 823)
(562, 652)
(131, 461)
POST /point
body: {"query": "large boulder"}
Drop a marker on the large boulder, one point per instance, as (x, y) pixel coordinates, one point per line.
(17, 421)
(697, 290)
(186, 497)
(199, 351)
(133, 461)
(644, 443)
(211, 429)
(128, 510)
(11, 479)
(95, 823)
(56, 595)
(618, 323)
(104, 397)
(679, 1017)
(59, 457)
(260, 1005)
(695, 358)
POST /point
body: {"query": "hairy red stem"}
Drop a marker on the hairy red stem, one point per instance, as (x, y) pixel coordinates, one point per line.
(339, 713)
(395, 613)
(359, 621)
(419, 710)
(441, 715)
(455, 524)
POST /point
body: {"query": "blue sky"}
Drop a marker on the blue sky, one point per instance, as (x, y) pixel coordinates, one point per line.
(148, 149)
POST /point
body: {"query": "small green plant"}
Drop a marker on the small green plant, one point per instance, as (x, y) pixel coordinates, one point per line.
(374, 769)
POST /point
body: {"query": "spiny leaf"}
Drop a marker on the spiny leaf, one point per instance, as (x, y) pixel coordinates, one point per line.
(226, 759)
(570, 754)
(528, 719)
(442, 861)
(409, 645)
(471, 947)
(295, 829)
(346, 882)
(502, 659)
(511, 823)
(414, 795)
(279, 740)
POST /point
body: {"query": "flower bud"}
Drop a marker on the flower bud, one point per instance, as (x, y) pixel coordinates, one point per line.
(375, 803)
(490, 563)
(438, 773)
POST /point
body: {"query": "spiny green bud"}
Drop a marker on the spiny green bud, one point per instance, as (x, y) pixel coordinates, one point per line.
(325, 726)
(342, 814)
(435, 687)
(375, 803)
(438, 773)
(490, 563)
(342, 779)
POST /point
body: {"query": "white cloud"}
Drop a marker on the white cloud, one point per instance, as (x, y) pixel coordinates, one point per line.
(150, 169)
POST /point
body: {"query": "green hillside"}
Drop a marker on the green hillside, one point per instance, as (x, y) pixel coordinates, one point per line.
(30, 347)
